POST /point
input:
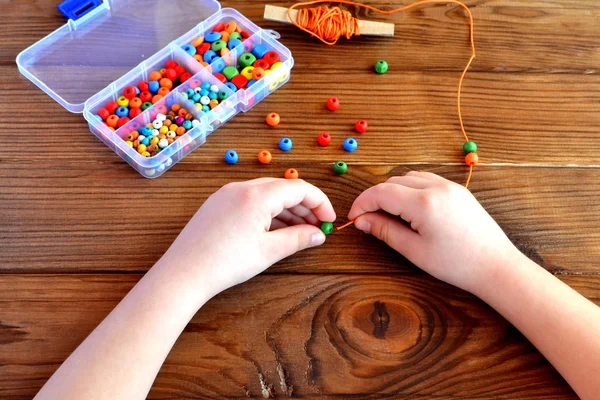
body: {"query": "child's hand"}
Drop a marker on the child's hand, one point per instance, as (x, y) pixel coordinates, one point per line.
(452, 237)
(245, 227)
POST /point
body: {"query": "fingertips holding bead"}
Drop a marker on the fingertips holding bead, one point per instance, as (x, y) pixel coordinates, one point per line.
(327, 227)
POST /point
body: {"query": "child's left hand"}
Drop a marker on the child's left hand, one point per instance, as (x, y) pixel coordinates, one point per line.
(245, 227)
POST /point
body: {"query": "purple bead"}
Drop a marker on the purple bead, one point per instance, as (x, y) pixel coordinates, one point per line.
(179, 120)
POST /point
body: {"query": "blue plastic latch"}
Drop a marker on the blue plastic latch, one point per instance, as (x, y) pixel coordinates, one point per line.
(75, 9)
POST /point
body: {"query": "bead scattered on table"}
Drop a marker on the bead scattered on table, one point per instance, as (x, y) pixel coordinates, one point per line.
(285, 144)
(291, 174)
(204, 95)
(324, 139)
(264, 157)
(340, 167)
(381, 67)
(350, 144)
(333, 103)
(273, 119)
(231, 157)
(327, 227)
(361, 126)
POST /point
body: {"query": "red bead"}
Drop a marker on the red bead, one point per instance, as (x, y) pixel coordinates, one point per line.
(222, 78)
(143, 86)
(112, 106)
(361, 126)
(271, 57)
(103, 113)
(324, 139)
(134, 112)
(245, 34)
(145, 96)
(171, 64)
(260, 63)
(130, 92)
(122, 121)
(240, 81)
(333, 103)
(185, 76)
(180, 70)
(171, 74)
(219, 27)
(203, 48)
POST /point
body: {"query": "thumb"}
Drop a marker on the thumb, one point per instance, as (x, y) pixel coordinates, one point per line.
(392, 231)
(284, 242)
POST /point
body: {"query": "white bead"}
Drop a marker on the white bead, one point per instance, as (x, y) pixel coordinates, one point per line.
(155, 132)
(169, 162)
(161, 117)
(198, 90)
(204, 100)
(162, 143)
(195, 123)
(141, 137)
(150, 172)
(161, 168)
(214, 88)
(171, 134)
(157, 124)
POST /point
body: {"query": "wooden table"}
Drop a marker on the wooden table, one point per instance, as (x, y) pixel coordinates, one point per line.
(352, 318)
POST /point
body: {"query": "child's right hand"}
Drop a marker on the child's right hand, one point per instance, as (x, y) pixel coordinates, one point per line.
(452, 237)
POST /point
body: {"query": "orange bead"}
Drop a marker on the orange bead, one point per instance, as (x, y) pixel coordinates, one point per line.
(163, 91)
(198, 41)
(175, 107)
(182, 112)
(273, 119)
(135, 102)
(198, 58)
(134, 135)
(258, 73)
(163, 71)
(180, 131)
(155, 76)
(264, 157)
(230, 26)
(291, 174)
(112, 121)
(156, 99)
(225, 36)
(166, 82)
(224, 51)
(471, 159)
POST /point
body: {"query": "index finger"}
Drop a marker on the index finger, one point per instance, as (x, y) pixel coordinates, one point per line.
(389, 197)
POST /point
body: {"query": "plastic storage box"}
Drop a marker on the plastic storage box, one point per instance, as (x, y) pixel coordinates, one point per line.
(88, 62)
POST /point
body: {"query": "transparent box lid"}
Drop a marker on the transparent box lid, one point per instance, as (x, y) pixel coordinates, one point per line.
(84, 56)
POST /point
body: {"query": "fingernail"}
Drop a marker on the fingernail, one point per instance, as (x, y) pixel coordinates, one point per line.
(363, 225)
(317, 239)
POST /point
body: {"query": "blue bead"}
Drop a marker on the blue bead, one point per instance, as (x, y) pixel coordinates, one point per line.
(209, 56)
(285, 144)
(233, 43)
(187, 124)
(146, 141)
(196, 98)
(231, 157)
(122, 111)
(218, 65)
(260, 50)
(188, 48)
(350, 144)
(231, 86)
(205, 86)
(212, 96)
(203, 92)
(153, 86)
(145, 131)
(99, 118)
(190, 93)
(205, 108)
(137, 91)
(212, 37)
(251, 82)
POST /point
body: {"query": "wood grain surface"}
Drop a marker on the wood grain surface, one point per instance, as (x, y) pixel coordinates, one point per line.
(351, 319)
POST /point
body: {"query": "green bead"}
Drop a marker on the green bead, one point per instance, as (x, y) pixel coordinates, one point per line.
(340, 167)
(222, 95)
(469, 147)
(246, 60)
(230, 72)
(146, 105)
(235, 35)
(381, 67)
(327, 227)
(218, 45)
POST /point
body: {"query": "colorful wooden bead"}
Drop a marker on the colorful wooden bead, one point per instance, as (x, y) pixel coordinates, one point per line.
(350, 144)
(361, 126)
(103, 113)
(146, 105)
(218, 45)
(210, 56)
(264, 157)
(235, 35)
(333, 103)
(229, 72)
(324, 139)
(470, 147)
(240, 81)
(260, 63)
(273, 119)
(231, 86)
(188, 48)
(260, 50)
(327, 227)
(258, 73)
(230, 27)
(154, 76)
(247, 72)
(381, 67)
(271, 57)
(122, 111)
(246, 60)
(471, 159)
(202, 49)
(130, 92)
(285, 144)
(111, 106)
(233, 43)
(340, 167)
(123, 101)
(222, 95)
(291, 174)
(134, 112)
(153, 86)
(143, 86)
(231, 157)
(211, 37)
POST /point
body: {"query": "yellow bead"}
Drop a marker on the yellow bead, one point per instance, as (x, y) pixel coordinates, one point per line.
(277, 64)
(173, 128)
(247, 72)
(149, 125)
(129, 143)
(213, 103)
(123, 101)
(267, 71)
(146, 154)
(198, 105)
(163, 129)
(154, 140)
(141, 148)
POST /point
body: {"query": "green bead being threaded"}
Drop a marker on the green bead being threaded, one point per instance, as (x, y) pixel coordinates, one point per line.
(469, 147)
(381, 67)
(327, 227)
(340, 167)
